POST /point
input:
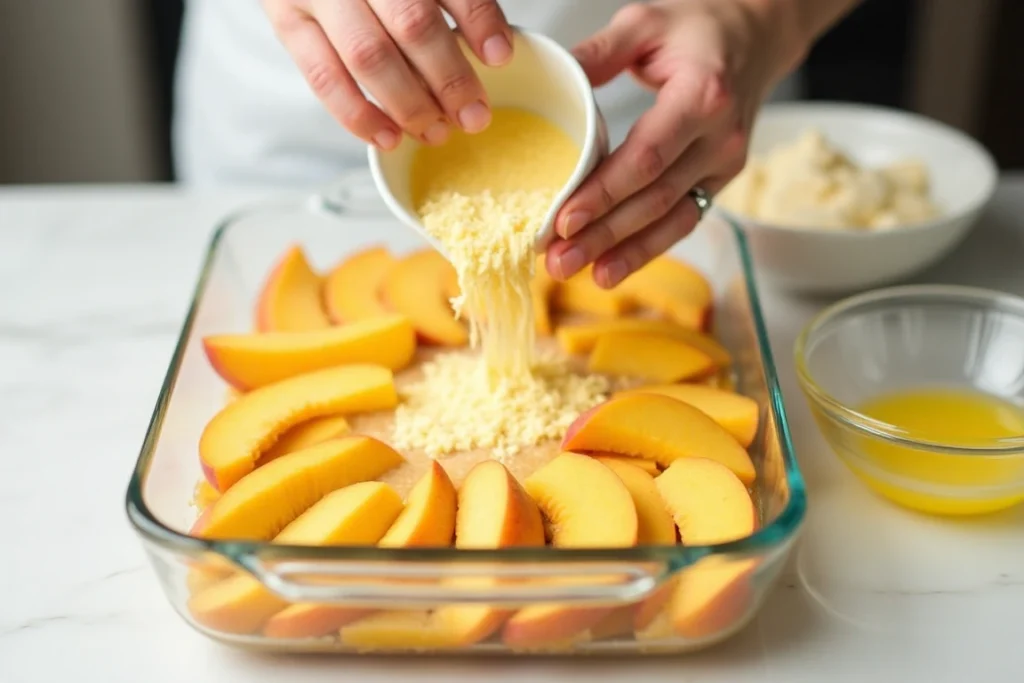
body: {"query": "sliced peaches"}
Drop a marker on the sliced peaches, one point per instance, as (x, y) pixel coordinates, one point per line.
(673, 289)
(264, 501)
(493, 512)
(580, 338)
(586, 506)
(738, 414)
(306, 434)
(250, 361)
(654, 523)
(355, 515)
(659, 428)
(419, 286)
(428, 519)
(351, 289)
(580, 294)
(651, 357)
(290, 298)
(204, 495)
(542, 288)
(244, 429)
(429, 515)
(707, 500)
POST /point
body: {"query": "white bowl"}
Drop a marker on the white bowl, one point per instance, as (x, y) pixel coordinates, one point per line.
(543, 78)
(963, 178)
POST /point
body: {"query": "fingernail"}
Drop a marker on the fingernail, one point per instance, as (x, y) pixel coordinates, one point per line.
(615, 272)
(474, 117)
(571, 261)
(573, 223)
(497, 50)
(386, 139)
(436, 133)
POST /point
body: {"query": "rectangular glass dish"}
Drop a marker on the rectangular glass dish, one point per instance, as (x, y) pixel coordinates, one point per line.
(720, 587)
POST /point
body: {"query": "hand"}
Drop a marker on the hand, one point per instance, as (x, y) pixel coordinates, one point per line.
(403, 53)
(712, 63)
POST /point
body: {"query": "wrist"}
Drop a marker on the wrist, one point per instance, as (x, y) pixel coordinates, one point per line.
(784, 31)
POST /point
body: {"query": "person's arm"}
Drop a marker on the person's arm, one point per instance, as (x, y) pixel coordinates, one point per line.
(802, 22)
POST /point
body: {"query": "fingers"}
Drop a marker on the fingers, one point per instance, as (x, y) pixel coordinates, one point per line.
(375, 61)
(657, 139)
(485, 28)
(618, 45)
(331, 82)
(422, 35)
(640, 210)
(637, 251)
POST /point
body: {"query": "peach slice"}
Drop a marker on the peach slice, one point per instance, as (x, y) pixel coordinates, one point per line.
(429, 515)
(204, 495)
(267, 499)
(355, 515)
(580, 294)
(709, 505)
(587, 506)
(648, 466)
(290, 298)
(542, 288)
(673, 289)
(738, 414)
(306, 434)
(419, 286)
(493, 512)
(654, 523)
(648, 356)
(244, 429)
(659, 428)
(580, 338)
(351, 288)
(250, 361)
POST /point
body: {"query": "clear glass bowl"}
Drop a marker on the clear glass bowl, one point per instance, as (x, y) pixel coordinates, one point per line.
(411, 582)
(914, 338)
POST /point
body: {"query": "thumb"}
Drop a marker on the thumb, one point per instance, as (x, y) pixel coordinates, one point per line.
(614, 48)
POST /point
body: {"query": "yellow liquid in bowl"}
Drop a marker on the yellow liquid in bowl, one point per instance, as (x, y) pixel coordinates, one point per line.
(936, 482)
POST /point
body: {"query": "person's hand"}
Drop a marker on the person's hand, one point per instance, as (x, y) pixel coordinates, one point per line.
(712, 63)
(400, 51)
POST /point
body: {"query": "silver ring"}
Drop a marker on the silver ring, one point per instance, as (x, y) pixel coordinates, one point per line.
(700, 197)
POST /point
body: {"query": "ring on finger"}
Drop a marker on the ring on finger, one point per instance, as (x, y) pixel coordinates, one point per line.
(702, 199)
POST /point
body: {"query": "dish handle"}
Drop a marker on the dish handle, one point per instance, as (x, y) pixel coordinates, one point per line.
(431, 583)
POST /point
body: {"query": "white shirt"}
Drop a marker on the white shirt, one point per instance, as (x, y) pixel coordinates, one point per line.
(245, 115)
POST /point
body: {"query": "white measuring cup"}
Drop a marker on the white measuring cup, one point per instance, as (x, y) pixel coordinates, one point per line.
(543, 78)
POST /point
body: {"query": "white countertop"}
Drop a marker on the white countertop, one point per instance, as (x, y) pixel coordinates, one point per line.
(94, 283)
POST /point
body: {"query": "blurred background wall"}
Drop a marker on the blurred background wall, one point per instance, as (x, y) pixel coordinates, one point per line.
(85, 85)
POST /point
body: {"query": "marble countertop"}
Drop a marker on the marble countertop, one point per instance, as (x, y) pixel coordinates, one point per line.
(94, 283)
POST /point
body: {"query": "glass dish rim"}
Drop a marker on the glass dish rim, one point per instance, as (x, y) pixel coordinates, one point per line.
(245, 553)
(889, 298)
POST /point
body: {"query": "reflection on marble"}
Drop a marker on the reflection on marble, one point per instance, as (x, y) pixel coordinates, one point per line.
(93, 286)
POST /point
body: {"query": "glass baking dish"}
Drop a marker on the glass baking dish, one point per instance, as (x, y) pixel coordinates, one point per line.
(726, 582)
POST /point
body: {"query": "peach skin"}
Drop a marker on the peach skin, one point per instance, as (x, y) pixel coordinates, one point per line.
(306, 434)
(673, 289)
(738, 414)
(659, 428)
(419, 286)
(580, 294)
(650, 357)
(290, 299)
(351, 288)
(580, 338)
(250, 361)
(587, 506)
(355, 515)
(265, 500)
(246, 428)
